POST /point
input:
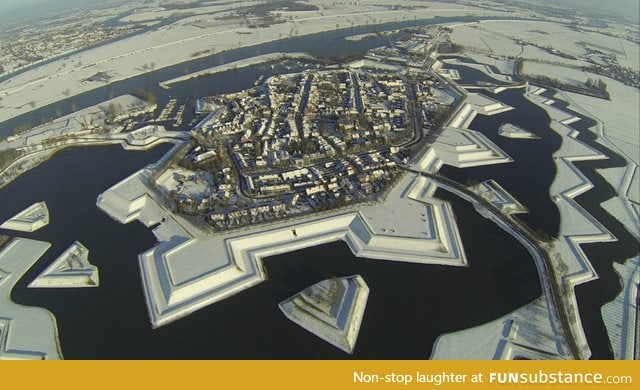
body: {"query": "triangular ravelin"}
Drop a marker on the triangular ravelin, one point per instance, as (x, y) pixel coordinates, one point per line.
(30, 219)
(71, 269)
(331, 309)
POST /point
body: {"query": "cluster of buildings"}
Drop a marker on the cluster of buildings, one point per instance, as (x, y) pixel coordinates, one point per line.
(239, 217)
(602, 62)
(308, 141)
(612, 69)
(383, 100)
(199, 192)
(29, 45)
(305, 117)
(346, 177)
(322, 186)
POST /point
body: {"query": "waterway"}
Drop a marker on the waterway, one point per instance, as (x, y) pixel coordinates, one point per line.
(111, 321)
(593, 295)
(529, 179)
(234, 80)
(470, 76)
(409, 304)
(331, 44)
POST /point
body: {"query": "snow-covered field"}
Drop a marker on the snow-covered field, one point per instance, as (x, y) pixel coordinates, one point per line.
(504, 66)
(563, 73)
(182, 41)
(25, 332)
(620, 117)
(528, 332)
(200, 35)
(480, 67)
(336, 320)
(618, 128)
(498, 37)
(577, 225)
(71, 269)
(623, 340)
(30, 219)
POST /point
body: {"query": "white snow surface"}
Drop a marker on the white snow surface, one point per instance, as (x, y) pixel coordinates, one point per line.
(497, 37)
(25, 332)
(331, 309)
(621, 315)
(182, 41)
(71, 269)
(527, 333)
(30, 219)
(190, 269)
(577, 226)
(618, 128)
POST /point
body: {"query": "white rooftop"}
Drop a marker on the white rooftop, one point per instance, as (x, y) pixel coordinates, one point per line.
(190, 269)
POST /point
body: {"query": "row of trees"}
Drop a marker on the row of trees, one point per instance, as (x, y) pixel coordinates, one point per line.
(145, 95)
(597, 84)
(450, 47)
(4, 240)
(304, 146)
(113, 109)
(590, 88)
(7, 157)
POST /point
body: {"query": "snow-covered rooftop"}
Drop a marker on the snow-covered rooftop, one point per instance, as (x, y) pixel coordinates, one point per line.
(189, 269)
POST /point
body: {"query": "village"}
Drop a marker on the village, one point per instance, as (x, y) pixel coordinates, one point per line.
(302, 142)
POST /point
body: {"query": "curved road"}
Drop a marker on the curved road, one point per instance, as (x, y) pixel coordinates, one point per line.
(550, 285)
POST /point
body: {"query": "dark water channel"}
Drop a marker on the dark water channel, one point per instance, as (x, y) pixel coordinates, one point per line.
(529, 179)
(409, 304)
